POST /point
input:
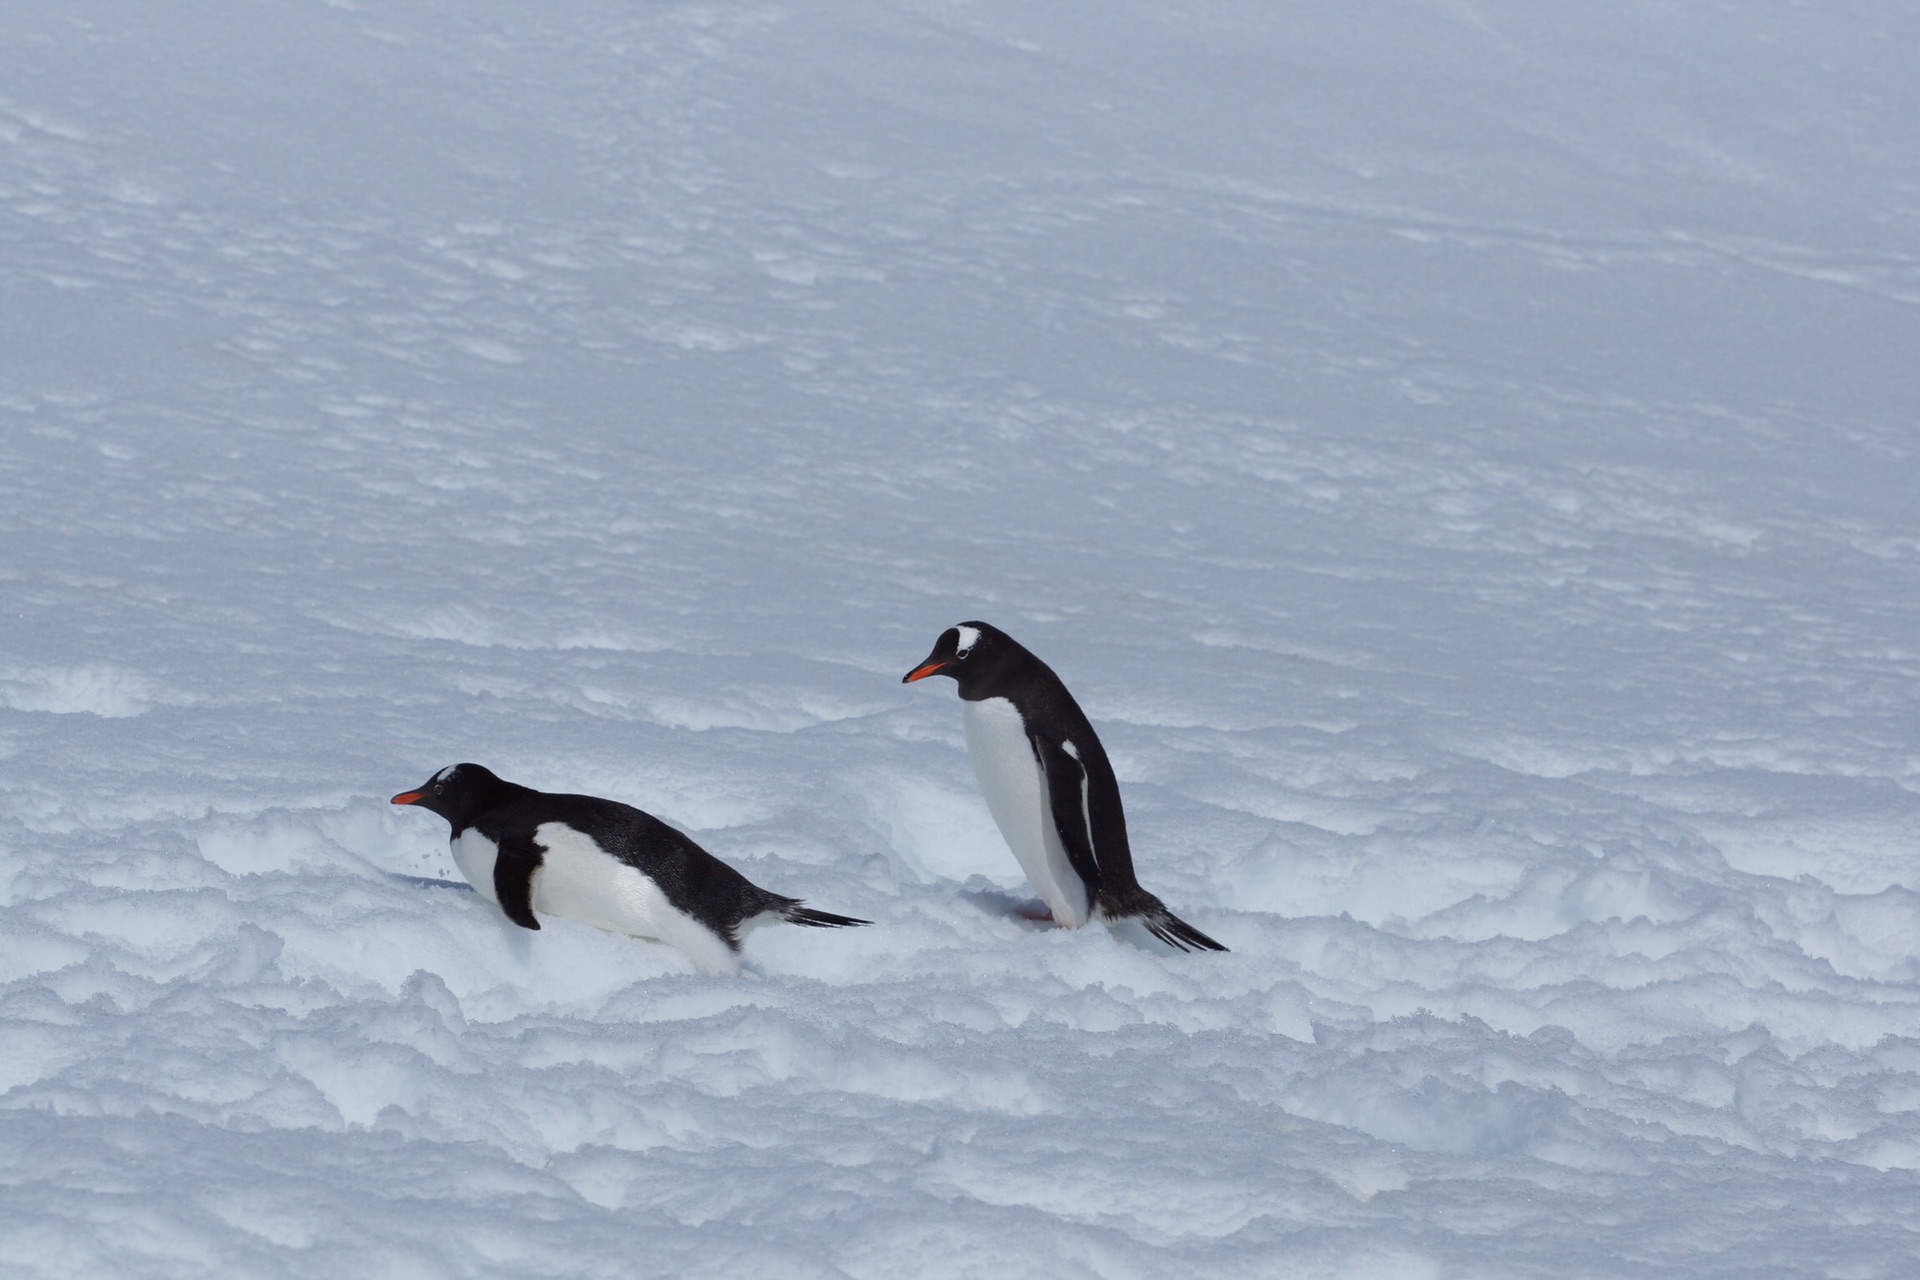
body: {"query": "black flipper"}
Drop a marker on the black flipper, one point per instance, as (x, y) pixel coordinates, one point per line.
(1068, 796)
(513, 869)
(1084, 800)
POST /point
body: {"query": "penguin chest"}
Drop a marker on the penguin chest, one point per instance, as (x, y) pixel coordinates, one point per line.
(474, 854)
(1016, 794)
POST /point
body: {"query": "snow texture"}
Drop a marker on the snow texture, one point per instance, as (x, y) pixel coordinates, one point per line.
(1461, 453)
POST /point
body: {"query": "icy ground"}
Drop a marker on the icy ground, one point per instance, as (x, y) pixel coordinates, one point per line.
(1461, 452)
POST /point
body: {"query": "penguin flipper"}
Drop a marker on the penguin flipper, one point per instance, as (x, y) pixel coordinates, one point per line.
(513, 867)
(1068, 798)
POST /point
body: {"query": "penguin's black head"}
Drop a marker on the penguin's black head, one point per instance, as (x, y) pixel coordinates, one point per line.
(968, 653)
(455, 793)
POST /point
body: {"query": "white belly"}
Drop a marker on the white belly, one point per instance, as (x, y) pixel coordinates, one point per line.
(1016, 793)
(577, 879)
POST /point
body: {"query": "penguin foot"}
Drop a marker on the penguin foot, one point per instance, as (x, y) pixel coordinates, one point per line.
(1039, 915)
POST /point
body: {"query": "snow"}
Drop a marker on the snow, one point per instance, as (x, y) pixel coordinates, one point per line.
(1460, 455)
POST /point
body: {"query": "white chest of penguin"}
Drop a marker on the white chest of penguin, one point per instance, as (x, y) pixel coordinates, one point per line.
(474, 854)
(1016, 794)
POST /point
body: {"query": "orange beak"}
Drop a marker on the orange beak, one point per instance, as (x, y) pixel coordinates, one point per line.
(921, 673)
(408, 797)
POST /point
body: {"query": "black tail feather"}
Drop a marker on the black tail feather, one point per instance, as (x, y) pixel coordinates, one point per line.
(1177, 933)
(794, 913)
(1160, 922)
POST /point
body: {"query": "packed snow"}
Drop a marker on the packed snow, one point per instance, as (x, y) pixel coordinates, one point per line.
(1460, 453)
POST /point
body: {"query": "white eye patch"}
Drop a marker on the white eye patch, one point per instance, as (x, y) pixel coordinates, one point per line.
(969, 637)
(446, 773)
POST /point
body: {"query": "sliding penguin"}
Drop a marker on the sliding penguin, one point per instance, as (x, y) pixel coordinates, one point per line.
(603, 861)
(1048, 783)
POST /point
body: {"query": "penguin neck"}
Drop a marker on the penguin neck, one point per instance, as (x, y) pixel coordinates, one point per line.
(980, 686)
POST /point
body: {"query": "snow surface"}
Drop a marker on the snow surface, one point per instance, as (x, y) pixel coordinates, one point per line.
(1462, 454)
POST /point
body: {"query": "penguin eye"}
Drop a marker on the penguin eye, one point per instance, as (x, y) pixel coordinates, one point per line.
(961, 653)
(438, 787)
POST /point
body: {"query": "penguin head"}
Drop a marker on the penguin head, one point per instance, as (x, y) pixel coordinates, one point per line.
(971, 653)
(455, 793)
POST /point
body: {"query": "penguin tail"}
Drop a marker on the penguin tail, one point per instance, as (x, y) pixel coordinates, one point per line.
(793, 913)
(1160, 922)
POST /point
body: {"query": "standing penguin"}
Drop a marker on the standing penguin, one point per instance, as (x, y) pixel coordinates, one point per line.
(605, 862)
(1048, 783)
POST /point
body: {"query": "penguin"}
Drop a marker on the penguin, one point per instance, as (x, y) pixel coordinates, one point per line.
(605, 862)
(1048, 783)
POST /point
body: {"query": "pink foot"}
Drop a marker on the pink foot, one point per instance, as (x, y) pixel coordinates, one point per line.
(1042, 916)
